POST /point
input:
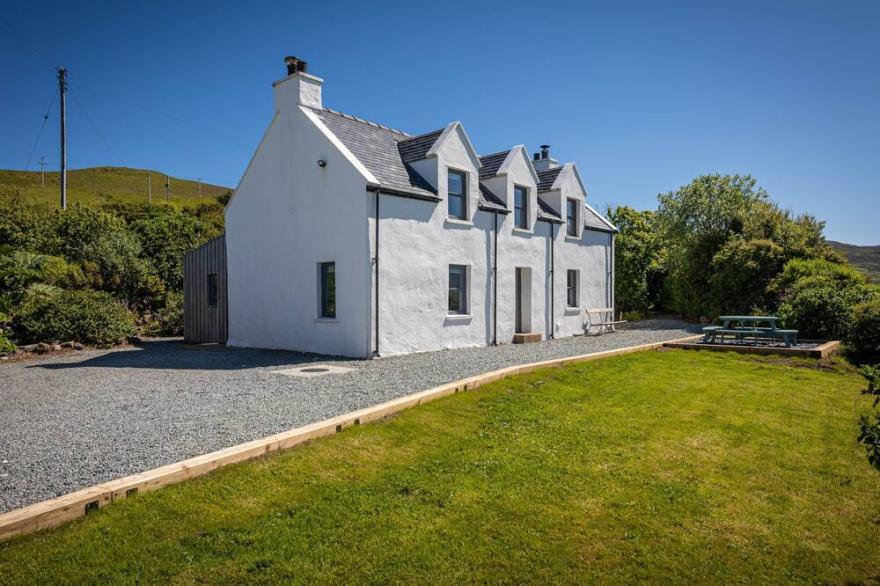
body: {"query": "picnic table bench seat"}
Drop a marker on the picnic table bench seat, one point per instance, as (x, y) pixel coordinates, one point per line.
(710, 333)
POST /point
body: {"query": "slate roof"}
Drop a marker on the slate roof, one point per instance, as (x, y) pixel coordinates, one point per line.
(593, 221)
(491, 202)
(491, 164)
(546, 178)
(387, 154)
(377, 148)
(546, 213)
(416, 147)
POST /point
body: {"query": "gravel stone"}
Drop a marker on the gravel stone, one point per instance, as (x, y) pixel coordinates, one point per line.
(76, 420)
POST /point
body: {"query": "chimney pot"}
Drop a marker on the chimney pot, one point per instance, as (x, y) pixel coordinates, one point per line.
(537, 156)
(295, 65)
(545, 151)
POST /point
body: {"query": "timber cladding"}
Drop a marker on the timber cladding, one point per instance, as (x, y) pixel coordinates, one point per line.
(205, 315)
(65, 508)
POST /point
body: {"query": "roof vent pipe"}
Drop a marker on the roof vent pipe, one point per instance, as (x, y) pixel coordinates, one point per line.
(296, 65)
(545, 151)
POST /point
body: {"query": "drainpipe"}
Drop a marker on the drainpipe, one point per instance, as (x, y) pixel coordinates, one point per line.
(376, 264)
(495, 284)
(552, 281)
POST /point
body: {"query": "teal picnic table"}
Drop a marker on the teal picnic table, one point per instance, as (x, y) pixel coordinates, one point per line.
(749, 326)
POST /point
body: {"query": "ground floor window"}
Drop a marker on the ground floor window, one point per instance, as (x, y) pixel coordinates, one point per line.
(328, 289)
(572, 289)
(212, 290)
(458, 289)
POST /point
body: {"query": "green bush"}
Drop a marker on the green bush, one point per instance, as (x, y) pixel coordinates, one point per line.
(6, 347)
(863, 336)
(168, 320)
(91, 317)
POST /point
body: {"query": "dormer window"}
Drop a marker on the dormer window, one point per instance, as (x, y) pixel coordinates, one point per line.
(571, 217)
(457, 194)
(521, 207)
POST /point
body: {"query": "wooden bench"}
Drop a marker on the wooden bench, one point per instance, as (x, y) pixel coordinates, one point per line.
(603, 322)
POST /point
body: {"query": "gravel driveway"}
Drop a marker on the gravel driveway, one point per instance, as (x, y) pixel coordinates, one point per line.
(85, 418)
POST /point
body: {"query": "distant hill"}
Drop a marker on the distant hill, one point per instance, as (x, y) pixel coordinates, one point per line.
(867, 258)
(106, 185)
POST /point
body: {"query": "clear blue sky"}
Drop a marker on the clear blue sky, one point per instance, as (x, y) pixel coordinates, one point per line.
(644, 96)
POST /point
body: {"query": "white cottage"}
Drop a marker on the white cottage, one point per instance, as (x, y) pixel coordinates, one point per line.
(348, 237)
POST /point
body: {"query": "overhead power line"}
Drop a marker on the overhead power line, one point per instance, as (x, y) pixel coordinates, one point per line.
(42, 127)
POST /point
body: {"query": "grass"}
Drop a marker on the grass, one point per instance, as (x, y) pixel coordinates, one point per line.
(866, 258)
(661, 466)
(105, 185)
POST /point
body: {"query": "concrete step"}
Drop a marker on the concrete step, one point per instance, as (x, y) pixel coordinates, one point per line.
(526, 338)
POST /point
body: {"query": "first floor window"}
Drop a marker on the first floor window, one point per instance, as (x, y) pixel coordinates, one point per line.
(328, 289)
(458, 289)
(571, 289)
(571, 217)
(456, 191)
(212, 290)
(521, 207)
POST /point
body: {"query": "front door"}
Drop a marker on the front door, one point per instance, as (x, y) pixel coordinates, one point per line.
(523, 300)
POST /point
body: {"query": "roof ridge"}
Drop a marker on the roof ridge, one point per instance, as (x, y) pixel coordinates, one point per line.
(367, 122)
(507, 152)
(438, 132)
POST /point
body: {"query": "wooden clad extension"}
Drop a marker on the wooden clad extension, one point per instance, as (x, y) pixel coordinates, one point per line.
(205, 317)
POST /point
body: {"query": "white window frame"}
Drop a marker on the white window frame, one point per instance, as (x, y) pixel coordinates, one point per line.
(465, 211)
(465, 294)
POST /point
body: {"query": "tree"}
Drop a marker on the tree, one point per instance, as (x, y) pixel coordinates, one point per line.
(638, 258)
(696, 222)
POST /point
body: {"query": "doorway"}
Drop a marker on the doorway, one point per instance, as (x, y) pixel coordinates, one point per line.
(523, 300)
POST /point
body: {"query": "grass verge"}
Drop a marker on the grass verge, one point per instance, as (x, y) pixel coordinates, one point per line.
(670, 465)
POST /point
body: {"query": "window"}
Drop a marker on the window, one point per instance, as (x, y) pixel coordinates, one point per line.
(571, 217)
(458, 289)
(571, 289)
(457, 195)
(328, 289)
(521, 207)
(212, 290)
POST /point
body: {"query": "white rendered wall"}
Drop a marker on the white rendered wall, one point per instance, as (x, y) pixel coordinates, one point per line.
(418, 243)
(287, 215)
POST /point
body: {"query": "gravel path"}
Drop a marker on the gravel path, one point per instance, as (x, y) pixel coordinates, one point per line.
(85, 418)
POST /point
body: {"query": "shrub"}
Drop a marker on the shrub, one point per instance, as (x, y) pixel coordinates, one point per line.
(822, 310)
(869, 436)
(6, 347)
(168, 320)
(863, 336)
(92, 317)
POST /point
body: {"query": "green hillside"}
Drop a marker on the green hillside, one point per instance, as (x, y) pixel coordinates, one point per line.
(106, 185)
(866, 258)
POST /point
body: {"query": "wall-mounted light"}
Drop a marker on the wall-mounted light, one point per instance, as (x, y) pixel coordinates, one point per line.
(322, 163)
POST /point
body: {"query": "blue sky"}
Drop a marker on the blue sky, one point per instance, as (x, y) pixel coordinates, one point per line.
(644, 96)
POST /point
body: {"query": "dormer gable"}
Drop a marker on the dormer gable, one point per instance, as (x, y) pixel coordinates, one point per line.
(438, 154)
(508, 172)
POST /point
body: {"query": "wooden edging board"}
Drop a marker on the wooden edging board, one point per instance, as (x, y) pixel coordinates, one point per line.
(71, 506)
(820, 351)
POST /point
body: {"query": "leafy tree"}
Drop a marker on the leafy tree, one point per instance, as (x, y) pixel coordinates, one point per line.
(638, 260)
(696, 221)
(739, 274)
(863, 336)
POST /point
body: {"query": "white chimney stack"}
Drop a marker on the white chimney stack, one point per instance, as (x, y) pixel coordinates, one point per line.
(299, 87)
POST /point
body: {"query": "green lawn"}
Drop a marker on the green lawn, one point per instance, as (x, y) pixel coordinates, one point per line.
(672, 465)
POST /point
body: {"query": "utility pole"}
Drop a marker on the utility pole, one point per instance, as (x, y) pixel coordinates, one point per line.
(200, 187)
(149, 188)
(62, 90)
(42, 172)
(167, 188)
